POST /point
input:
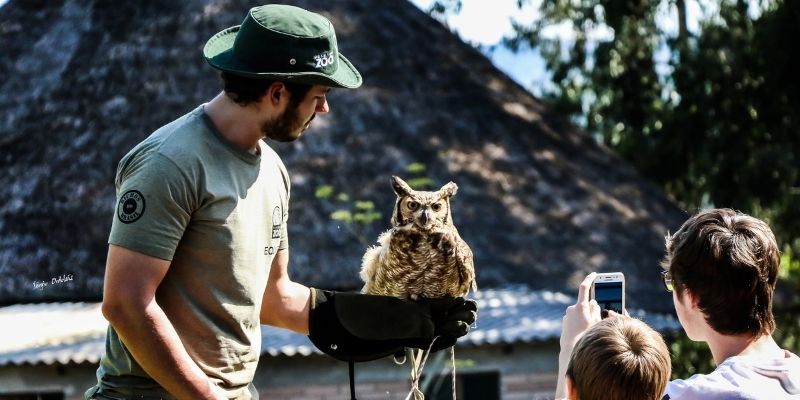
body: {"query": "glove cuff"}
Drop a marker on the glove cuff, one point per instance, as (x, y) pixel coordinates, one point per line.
(328, 334)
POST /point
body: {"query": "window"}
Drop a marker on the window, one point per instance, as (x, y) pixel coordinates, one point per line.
(469, 386)
(33, 396)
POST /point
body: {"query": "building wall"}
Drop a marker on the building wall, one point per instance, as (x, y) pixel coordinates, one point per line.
(71, 379)
(526, 371)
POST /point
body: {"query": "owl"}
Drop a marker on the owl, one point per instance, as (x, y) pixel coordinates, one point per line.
(423, 254)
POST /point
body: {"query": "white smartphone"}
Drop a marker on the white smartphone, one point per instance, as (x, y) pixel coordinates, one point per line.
(608, 290)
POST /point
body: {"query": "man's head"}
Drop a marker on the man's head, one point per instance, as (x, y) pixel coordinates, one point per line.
(286, 58)
(726, 263)
(619, 358)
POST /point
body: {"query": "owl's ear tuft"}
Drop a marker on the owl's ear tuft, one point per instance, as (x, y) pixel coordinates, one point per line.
(449, 189)
(400, 186)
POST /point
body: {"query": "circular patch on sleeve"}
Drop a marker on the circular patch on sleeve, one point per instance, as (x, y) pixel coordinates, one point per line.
(130, 207)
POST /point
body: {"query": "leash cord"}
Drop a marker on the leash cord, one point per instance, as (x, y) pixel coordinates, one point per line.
(351, 369)
(415, 383)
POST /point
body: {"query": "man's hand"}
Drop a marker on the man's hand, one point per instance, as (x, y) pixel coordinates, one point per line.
(360, 327)
(452, 317)
(580, 316)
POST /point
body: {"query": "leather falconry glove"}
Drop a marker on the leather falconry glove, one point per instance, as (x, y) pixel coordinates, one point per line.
(361, 327)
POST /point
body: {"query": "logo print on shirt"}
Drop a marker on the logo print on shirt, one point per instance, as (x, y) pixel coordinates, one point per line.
(130, 206)
(277, 219)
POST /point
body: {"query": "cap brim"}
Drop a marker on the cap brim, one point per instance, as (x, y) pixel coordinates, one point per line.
(218, 51)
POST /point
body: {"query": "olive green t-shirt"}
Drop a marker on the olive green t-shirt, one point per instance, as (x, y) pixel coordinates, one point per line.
(219, 214)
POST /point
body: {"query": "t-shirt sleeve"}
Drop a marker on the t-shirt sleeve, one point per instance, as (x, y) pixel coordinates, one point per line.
(284, 244)
(154, 203)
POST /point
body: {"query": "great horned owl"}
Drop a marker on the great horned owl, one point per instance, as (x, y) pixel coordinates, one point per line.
(423, 254)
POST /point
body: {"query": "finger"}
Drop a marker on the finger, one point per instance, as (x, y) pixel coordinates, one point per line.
(471, 305)
(596, 313)
(466, 316)
(594, 308)
(583, 289)
(454, 328)
(446, 303)
(443, 342)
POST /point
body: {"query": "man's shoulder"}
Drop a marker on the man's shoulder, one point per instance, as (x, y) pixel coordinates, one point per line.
(172, 141)
(177, 138)
(736, 378)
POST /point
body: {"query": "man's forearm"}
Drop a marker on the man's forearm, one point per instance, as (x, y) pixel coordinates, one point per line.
(563, 362)
(154, 343)
(286, 305)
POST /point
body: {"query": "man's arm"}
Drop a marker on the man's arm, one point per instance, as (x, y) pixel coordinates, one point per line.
(285, 303)
(577, 320)
(130, 307)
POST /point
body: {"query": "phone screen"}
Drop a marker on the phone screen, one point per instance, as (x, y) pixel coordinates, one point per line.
(609, 295)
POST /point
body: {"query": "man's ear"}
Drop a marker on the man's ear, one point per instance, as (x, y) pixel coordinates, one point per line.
(688, 298)
(694, 300)
(275, 92)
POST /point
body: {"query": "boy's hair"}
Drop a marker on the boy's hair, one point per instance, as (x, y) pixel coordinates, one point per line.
(244, 90)
(618, 359)
(730, 261)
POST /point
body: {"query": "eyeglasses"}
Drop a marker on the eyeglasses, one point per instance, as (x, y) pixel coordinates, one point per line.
(667, 277)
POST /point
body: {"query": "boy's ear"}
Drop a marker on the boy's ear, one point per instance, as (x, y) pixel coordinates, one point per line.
(569, 389)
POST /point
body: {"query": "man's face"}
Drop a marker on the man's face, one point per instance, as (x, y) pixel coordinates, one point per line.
(294, 120)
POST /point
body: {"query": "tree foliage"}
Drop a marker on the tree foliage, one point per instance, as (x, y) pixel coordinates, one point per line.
(710, 114)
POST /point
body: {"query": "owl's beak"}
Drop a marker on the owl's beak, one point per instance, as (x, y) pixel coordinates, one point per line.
(425, 217)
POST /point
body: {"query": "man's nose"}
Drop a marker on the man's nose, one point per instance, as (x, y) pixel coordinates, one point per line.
(322, 106)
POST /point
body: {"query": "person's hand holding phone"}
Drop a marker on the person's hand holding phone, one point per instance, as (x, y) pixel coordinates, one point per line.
(578, 318)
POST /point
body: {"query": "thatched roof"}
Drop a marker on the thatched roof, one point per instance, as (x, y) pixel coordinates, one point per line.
(83, 81)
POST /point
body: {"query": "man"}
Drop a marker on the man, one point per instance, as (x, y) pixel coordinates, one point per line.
(198, 252)
(721, 267)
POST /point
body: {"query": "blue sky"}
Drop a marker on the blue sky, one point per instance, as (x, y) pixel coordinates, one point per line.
(486, 22)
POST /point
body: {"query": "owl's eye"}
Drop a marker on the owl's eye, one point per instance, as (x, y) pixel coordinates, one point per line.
(436, 206)
(413, 205)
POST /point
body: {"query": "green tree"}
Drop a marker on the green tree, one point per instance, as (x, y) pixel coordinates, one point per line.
(710, 116)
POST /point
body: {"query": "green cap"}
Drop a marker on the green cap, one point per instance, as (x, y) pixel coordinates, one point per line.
(285, 43)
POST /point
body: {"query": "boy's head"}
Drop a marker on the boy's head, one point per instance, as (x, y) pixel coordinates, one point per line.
(729, 262)
(619, 358)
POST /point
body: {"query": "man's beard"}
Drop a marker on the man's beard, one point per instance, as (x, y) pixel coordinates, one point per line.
(287, 127)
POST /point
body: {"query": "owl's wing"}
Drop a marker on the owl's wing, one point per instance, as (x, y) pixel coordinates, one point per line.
(369, 265)
(372, 261)
(464, 254)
